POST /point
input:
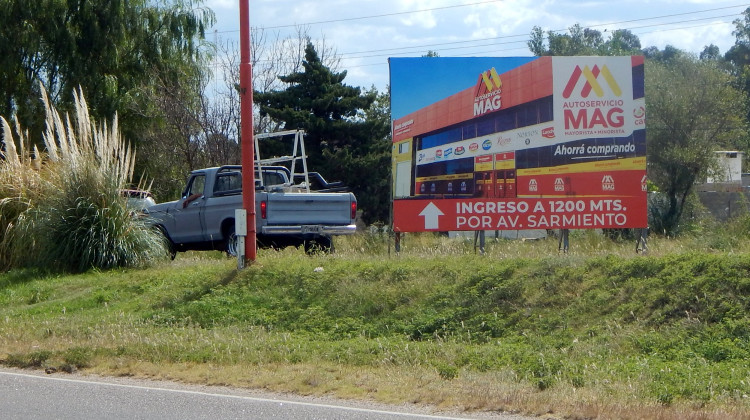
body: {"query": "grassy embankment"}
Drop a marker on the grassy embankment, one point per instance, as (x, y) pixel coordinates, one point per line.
(599, 332)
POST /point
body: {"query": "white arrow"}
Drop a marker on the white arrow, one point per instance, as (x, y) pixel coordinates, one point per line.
(431, 214)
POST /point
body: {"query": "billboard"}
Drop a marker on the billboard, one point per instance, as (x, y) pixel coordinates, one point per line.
(518, 143)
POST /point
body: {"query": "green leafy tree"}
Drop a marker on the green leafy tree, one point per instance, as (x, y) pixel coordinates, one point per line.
(114, 49)
(583, 41)
(668, 54)
(622, 42)
(739, 54)
(341, 140)
(711, 52)
(693, 110)
(578, 41)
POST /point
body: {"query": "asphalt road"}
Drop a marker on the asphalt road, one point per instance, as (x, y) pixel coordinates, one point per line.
(34, 395)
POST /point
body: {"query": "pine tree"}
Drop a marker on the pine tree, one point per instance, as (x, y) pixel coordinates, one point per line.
(318, 101)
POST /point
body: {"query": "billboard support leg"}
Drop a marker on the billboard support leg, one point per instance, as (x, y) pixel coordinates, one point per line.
(479, 236)
(564, 243)
(641, 245)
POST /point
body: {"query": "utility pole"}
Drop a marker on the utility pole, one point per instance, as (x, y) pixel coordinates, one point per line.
(246, 131)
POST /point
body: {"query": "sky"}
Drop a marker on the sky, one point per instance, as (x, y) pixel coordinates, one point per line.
(365, 33)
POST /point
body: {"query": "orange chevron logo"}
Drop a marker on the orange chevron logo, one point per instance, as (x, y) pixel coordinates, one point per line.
(489, 81)
(591, 77)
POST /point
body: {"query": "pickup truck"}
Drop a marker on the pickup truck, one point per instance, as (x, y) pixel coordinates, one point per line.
(203, 218)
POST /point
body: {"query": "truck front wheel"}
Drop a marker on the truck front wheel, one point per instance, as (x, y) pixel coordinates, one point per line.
(168, 244)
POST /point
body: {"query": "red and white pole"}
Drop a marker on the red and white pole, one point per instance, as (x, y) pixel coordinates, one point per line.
(246, 132)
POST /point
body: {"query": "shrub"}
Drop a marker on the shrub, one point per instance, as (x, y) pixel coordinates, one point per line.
(75, 218)
(20, 181)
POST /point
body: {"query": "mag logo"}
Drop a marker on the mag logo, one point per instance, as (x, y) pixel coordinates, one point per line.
(559, 185)
(591, 82)
(487, 96)
(601, 111)
(608, 183)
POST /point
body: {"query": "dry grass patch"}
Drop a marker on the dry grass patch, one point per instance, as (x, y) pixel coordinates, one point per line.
(483, 392)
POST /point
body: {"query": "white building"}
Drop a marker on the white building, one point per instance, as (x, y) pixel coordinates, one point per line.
(730, 164)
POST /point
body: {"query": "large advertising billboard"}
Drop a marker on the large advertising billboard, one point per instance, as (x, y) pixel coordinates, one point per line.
(518, 143)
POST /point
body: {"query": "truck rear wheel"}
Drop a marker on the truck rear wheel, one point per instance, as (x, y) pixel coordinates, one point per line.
(230, 242)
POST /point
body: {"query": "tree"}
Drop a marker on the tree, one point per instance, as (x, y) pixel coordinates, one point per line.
(693, 110)
(739, 54)
(622, 42)
(667, 55)
(365, 165)
(583, 41)
(272, 56)
(333, 115)
(113, 49)
(179, 142)
(711, 52)
(578, 41)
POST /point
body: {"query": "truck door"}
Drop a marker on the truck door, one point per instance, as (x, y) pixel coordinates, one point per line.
(187, 218)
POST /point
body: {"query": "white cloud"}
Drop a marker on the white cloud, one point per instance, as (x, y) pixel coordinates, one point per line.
(424, 20)
(692, 39)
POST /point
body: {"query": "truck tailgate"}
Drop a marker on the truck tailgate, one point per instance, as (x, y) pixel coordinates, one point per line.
(309, 208)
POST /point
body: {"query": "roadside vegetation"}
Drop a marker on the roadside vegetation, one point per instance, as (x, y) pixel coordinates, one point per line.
(61, 209)
(599, 332)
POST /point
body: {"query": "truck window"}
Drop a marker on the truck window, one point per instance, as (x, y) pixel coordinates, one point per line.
(196, 185)
(272, 178)
(231, 181)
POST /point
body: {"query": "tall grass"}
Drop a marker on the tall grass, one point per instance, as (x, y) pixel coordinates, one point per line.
(20, 183)
(69, 213)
